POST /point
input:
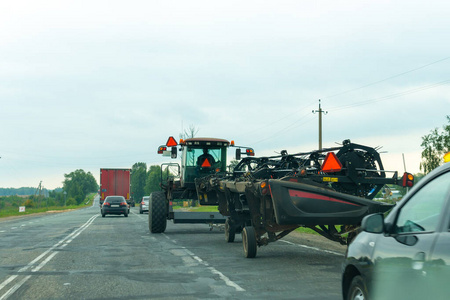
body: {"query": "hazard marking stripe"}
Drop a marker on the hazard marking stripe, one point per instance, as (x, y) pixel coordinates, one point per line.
(301, 194)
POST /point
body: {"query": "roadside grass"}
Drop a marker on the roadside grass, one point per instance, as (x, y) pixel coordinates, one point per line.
(14, 211)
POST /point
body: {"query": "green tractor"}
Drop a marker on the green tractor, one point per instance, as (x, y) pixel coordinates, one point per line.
(200, 157)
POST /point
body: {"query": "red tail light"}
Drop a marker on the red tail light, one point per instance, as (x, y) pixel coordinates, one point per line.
(143, 203)
(123, 203)
(106, 203)
(408, 180)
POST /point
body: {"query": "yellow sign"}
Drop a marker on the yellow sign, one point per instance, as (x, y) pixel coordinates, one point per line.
(447, 157)
(330, 179)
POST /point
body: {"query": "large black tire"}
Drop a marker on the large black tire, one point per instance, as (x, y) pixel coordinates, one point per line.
(230, 231)
(357, 289)
(249, 241)
(157, 212)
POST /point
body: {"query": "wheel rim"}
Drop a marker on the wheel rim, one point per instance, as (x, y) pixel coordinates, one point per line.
(357, 294)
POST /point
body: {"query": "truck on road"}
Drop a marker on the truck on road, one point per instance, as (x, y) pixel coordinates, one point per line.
(115, 182)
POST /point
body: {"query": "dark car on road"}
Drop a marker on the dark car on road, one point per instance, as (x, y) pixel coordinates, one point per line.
(115, 205)
(143, 206)
(407, 254)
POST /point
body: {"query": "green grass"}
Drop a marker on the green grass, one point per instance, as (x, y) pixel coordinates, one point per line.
(204, 208)
(14, 211)
(306, 230)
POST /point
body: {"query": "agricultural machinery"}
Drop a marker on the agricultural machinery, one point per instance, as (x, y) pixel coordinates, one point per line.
(200, 157)
(328, 191)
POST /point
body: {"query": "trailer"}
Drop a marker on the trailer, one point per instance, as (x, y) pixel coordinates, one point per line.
(328, 191)
(115, 182)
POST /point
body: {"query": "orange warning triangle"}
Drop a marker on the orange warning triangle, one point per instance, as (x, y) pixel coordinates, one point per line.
(171, 142)
(206, 164)
(331, 163)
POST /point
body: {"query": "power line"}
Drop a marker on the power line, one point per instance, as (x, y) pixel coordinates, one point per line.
(284, 117)
(390, 96)
(388, 78)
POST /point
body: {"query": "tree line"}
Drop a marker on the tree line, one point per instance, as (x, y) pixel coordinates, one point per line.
(435, 145)
(144, 180)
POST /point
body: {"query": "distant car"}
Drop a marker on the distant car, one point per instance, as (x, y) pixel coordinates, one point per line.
(115, 205)
(406, 255)
(143, 207)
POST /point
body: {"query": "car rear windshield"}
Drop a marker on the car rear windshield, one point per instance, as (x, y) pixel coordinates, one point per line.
(115, 199)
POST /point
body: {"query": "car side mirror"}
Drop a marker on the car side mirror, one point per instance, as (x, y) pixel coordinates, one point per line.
(373, 223)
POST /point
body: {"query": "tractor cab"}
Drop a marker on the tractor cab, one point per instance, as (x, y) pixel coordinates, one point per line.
(202, 157)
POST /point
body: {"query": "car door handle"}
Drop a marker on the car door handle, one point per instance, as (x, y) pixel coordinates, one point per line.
(418, 261)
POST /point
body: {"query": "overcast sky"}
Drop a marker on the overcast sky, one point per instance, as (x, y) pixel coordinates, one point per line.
(92, 84)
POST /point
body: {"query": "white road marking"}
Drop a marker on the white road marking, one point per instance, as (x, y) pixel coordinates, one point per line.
(213, 270)
(313, 248)
(61, 244)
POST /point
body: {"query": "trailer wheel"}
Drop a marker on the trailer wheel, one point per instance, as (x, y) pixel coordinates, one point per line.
(230, 231)
(249, 241)
(157, 214)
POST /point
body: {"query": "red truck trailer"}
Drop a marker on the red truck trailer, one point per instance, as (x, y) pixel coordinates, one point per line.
(115, 182)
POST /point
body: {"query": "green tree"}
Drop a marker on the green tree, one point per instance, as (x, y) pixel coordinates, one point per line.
(78, 184)
(138, 177)
(152, 184)
(232, 165)
(435, 145)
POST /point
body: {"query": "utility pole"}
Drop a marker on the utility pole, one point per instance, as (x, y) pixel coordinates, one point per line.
(320, 111)
(39, 196)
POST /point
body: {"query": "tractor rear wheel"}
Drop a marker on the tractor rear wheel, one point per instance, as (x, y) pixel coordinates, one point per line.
(157, 212)
(249, 241)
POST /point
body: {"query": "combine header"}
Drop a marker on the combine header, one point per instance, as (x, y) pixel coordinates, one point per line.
(328, 190)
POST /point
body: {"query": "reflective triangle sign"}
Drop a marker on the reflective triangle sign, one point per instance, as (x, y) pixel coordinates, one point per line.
(206, 164)
(331, 163)
(171, 142)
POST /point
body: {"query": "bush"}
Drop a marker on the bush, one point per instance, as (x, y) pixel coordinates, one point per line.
(71, 201)
(29, 203)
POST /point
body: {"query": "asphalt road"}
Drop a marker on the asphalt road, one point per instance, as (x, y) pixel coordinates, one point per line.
(80, 255)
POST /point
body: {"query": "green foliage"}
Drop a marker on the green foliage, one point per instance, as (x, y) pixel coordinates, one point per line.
(78, 184)
(138, 177)
(435, 145)
(71, 201)
(23, 191)
(29, 203)
(232, 165)
(152, 183)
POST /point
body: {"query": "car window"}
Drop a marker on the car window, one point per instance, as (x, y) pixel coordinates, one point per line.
(422, 211)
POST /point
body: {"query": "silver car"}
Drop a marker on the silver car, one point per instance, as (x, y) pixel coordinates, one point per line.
(143, 206)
